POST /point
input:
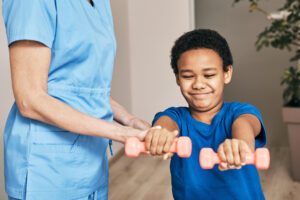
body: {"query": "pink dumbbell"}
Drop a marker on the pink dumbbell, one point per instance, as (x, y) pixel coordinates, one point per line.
(260, 158)
(183, 147)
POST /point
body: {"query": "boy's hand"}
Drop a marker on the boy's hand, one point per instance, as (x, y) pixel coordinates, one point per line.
(159, 140)
(232, 153)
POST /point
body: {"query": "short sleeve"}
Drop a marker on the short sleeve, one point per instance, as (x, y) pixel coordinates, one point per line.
(30, 20)
(240, 109)
(173, 113)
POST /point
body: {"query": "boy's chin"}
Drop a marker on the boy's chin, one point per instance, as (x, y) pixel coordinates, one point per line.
(202, 108)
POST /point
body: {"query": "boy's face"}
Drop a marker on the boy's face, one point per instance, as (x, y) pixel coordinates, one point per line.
(201, 78)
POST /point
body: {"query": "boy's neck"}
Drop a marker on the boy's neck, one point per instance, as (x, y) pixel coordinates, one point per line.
(206, 116)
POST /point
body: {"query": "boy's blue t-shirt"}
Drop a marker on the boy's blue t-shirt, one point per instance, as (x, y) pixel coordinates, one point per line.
(189, 180)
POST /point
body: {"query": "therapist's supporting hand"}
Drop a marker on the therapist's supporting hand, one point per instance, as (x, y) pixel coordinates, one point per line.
(123, 117)
(137, 123)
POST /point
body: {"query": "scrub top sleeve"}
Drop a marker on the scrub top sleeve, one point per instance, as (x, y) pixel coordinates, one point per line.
(173, 113)
(241, 109)
(30, 20)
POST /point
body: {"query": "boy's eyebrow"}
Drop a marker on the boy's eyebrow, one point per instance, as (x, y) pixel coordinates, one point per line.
(205, 69)
(210, 69)
(186, 70)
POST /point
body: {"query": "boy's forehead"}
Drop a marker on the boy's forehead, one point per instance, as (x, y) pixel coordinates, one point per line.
(200, 59)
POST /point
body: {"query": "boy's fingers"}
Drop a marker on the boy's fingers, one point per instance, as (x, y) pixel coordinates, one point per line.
(223, 166)
(147, 154)
(161, 143)
(228, 152)
(242, 154)
(244, 148)
(156, 127)
(165, 156)
(236, 152)
(142, 135)
(170, 155)
(176, 133)
(168, 144)
(221, 153)
(148, 139)
(154, 142)
(248, 150)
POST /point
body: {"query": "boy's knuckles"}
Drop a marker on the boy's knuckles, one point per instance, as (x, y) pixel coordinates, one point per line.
(227, 142)
(230, 159)
(237, 161)
(231, 166)
(161, 142)
(166, 149)
(159, 150)
(236, 154)
(243, 157)
(156, 133)
(235, 140)
(154, 141)
(153, 150)
(227, 149)
(148, 137)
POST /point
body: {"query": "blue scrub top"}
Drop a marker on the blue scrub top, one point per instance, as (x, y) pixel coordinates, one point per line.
(43, 161)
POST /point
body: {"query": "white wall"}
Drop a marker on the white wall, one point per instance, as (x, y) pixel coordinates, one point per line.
(121, 90)
(154, 26)
(145, 30)
(256, 77)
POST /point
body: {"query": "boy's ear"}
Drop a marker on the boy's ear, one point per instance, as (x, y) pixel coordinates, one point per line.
(228, 74)
(177, 79)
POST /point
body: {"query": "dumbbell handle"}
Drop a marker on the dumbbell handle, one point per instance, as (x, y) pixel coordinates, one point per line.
(183, 147)
(261, 158)
(142, 147)
(250, 158)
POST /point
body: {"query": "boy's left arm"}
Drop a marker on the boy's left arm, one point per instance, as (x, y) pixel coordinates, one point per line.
(233, 151)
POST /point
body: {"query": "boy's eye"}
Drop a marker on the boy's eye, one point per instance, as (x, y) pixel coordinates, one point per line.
(187, 76)
(209, 75)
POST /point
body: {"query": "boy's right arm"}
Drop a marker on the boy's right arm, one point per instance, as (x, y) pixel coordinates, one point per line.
(159, 140)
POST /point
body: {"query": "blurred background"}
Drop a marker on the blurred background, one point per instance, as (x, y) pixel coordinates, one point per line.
(144, 83)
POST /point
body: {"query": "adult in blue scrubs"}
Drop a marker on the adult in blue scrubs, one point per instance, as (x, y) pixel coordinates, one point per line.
(62, 55)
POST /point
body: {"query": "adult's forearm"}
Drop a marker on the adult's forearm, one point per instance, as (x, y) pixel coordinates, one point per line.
(30, 62)
(55, 112)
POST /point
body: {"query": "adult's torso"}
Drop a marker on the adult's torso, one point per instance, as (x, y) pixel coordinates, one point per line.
(44, 161)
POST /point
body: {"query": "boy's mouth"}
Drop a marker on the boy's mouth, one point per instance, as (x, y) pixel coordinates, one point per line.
(200, 95)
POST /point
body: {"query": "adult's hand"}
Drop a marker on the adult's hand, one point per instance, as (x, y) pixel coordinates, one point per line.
(137, 123)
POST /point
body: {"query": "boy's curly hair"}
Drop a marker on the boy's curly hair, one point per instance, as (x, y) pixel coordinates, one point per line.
(201, 38)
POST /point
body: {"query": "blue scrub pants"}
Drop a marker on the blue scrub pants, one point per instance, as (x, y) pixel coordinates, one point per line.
(97, 195)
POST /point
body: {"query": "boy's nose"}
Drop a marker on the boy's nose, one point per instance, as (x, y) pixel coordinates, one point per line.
(199, 83)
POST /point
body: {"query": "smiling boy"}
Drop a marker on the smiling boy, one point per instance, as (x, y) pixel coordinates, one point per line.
(202, 63)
